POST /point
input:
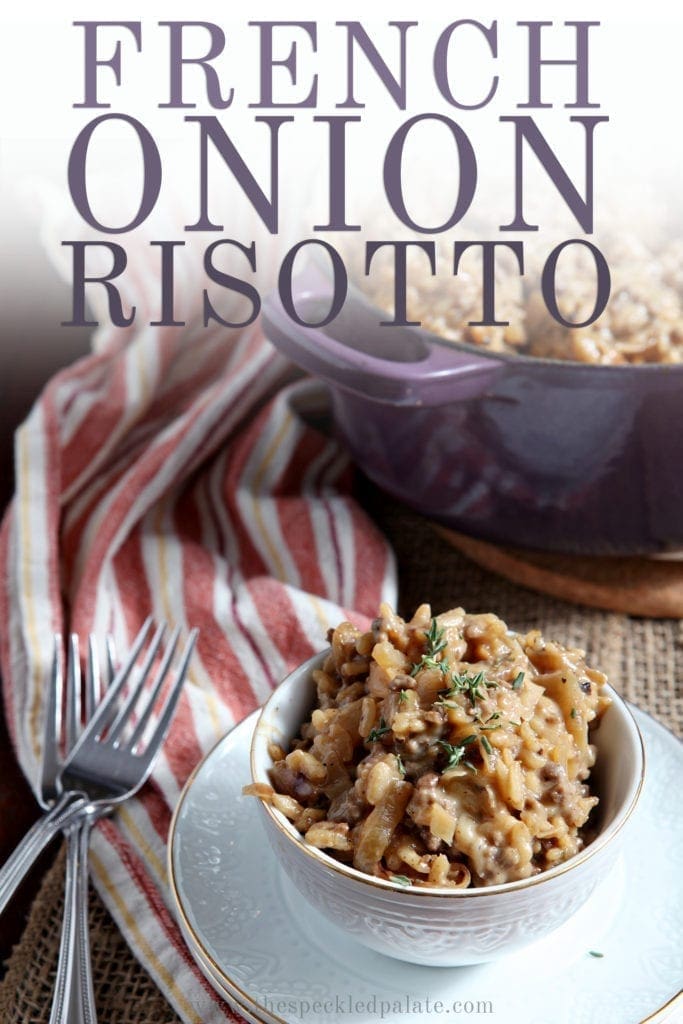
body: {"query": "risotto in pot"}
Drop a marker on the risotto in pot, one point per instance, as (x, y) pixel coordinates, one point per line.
(641, 324)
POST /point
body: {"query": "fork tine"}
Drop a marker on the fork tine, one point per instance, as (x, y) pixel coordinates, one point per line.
(93, 682)
(156, 690)
(53, 721)
(105, 709)
(111, 659)
(124, 712)
(73, 693)
(157, 737)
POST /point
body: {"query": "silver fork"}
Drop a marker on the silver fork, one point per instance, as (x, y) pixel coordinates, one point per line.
(105, 764)
(61, 805)
(73, 986)
(105, 769)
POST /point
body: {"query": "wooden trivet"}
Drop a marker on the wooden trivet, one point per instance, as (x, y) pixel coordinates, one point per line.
(634, 586)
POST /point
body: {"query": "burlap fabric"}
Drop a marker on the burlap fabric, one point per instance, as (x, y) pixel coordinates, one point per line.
(643, 658)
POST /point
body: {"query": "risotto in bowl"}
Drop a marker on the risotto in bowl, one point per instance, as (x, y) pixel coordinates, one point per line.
(444, 789)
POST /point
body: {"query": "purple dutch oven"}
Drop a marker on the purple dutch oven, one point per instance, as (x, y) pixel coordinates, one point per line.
(552, 455)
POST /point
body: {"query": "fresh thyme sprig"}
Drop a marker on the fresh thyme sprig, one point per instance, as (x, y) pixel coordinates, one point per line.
(492, 722)
(470, 685)
(518, 680)
(457, 751)
(381, 730)
(435, 645)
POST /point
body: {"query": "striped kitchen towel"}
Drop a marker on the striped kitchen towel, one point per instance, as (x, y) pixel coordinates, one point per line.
(172, 471)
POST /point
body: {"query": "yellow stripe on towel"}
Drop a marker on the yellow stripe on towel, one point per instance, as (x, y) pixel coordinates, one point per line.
(143, 946)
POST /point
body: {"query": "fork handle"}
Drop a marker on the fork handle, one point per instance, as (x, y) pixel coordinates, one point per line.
(74, 1001)
(65, 981)
(34, 842)
(84, 977)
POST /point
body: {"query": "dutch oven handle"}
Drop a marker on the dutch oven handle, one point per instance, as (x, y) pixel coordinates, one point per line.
(411, 370)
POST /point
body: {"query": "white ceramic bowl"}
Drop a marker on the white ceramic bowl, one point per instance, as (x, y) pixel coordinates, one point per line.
(449, 927)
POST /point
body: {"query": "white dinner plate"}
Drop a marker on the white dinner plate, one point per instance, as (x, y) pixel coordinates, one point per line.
(275, 959)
